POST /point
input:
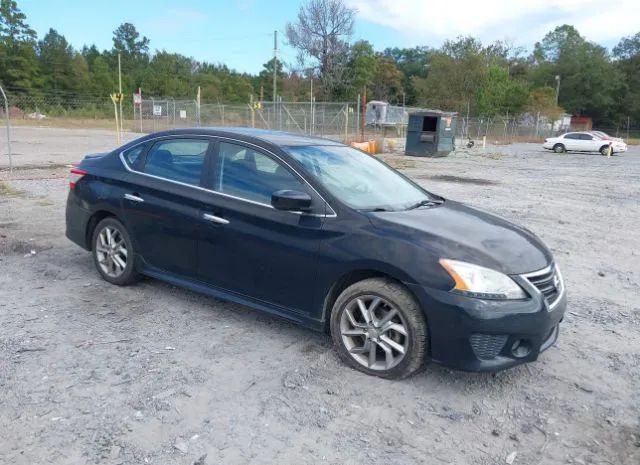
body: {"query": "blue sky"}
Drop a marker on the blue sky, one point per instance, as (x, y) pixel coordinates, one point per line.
(237, 33)
(240, 33)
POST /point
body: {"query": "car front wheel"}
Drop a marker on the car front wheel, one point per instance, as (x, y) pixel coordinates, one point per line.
(604, 150)
(378, 328)
(559, 148)
(113, 252)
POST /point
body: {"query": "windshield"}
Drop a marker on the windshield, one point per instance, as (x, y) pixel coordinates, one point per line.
(358, 179)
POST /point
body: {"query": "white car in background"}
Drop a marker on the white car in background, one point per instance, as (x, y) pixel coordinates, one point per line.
(583, 142)
(605, 136)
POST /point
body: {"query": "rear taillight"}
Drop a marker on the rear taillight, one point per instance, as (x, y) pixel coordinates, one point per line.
(75, 175)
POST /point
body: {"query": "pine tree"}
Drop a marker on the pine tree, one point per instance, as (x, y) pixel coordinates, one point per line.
(18, 60)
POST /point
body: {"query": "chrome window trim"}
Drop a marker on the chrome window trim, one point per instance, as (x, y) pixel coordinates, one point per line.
(131, 170)
(543, 271)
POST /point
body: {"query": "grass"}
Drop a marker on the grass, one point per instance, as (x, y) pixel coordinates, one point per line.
(7, 190)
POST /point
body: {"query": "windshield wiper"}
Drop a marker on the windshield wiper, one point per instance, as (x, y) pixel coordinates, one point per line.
(424, 203)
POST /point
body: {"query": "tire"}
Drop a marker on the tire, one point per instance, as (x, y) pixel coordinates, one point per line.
(109, 257)
(354, 338)
(604, 150)
(559, 148)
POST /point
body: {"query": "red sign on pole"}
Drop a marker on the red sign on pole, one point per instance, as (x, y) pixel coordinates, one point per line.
(137, 98)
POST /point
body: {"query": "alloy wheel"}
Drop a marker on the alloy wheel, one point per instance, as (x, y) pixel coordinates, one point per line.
(111, 251)
(374, 332)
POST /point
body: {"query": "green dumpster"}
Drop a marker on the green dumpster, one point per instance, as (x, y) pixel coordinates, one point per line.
(430, 133)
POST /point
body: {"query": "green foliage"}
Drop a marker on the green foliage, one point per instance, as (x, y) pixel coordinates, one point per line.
(499, 94)
(412, 63)
(386, 82)
(541, 101)
(18, 61)
(362, 63)
(264, 80)
(463, 75)
(589, 83)
(627, 53)
(455, 74)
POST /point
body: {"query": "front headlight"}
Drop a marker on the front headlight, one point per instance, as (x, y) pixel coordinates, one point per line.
(481, 282)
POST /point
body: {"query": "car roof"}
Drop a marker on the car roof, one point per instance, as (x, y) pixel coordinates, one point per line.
(278, 138)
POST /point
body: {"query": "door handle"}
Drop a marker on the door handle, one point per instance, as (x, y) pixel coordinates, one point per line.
(215, 219)
(133, 198)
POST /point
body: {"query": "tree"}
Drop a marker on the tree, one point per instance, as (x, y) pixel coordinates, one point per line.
(80, 74)
(13, 26)
(387, 80)
(168, 74)
(412, 63)
(134, 54)
(321, 34)
(56, 56)
(542, 102)
(125, 41)
(501, 95)
(627, 53)
(590, 84)
(264, 79)
(362, 64)
(102, 79)
(455, 73)
(18, 61)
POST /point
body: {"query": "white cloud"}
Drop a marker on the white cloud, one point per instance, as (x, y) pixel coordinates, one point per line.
(521, 21)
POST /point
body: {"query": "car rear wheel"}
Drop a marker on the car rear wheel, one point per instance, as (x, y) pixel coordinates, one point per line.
(113, 252)
(378, 328)
(559, 148)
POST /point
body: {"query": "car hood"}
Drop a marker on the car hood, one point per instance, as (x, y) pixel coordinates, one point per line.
(459, 232)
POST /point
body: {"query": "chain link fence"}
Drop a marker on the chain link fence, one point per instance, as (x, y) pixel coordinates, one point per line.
(340, 121)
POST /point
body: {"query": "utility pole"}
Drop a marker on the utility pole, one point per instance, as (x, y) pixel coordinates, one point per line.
(120, 92)
(198, 104)
(6, 110)
(275, 64)
(557, 88)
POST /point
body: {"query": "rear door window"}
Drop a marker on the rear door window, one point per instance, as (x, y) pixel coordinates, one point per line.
(132, 155)
(177, 160)
(251, 175)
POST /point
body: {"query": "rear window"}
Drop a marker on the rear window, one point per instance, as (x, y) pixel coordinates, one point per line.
(132, 155)
(178, 160)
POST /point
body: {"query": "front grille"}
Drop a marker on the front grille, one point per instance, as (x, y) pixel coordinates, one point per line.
(487, 346)
(548, 282)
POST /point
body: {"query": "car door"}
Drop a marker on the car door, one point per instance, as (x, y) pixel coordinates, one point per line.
(589, 143)
(246, 245)
(162, 205)
(572, 141)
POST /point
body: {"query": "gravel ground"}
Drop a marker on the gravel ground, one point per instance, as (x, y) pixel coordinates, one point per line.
(42, 146)
(94, 373)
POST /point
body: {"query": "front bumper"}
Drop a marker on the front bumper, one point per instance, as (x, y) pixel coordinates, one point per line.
(488, 335)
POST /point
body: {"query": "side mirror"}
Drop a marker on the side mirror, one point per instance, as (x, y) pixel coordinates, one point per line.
(291, 200)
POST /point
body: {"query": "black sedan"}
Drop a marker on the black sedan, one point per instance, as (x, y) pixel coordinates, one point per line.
(325, 235)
